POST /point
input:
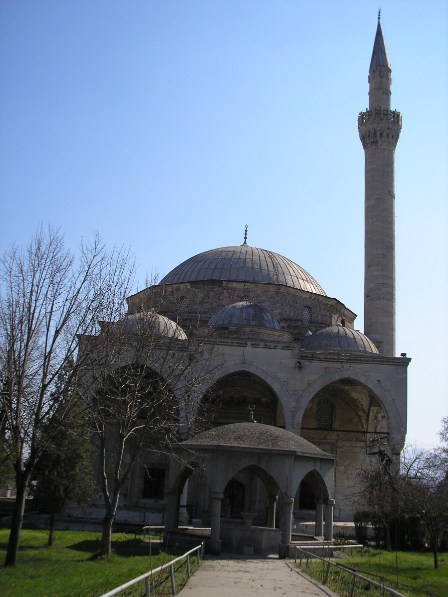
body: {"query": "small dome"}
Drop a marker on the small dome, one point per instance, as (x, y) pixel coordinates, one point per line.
(243, 264)
(338, 337)
(245, 314)
(152, 323)
(254, 435)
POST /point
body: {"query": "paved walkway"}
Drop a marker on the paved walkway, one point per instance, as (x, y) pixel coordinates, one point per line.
(220, 577)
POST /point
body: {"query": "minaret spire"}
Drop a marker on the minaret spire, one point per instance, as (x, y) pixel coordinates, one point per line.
(379, 72)
(379, 128)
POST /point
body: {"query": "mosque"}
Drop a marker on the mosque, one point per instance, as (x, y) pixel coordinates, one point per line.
(302, 400)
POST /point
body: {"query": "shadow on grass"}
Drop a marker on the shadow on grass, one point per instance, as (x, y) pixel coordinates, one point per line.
(125, 549)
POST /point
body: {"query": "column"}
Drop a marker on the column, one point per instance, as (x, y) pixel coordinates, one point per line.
(329, 508)
(215, 531)
(272, 508)
(319, 528)
(286, 521)
(171, 499)
(183, 514)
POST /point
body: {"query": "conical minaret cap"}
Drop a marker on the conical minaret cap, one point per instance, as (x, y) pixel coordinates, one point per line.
(379, 54)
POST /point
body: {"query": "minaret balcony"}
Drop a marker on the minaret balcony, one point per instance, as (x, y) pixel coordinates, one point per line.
(379, 127)
(379, 114)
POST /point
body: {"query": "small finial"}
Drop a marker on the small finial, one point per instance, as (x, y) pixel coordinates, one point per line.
(251, 408)
(245, 235)
(379, 15)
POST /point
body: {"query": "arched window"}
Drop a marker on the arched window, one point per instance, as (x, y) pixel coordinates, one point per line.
(306, 315)
(325, 414)
(154, 483)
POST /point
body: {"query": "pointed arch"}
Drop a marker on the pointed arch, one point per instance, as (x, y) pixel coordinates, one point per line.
(383, 394)
(279, 390)
(311, 489)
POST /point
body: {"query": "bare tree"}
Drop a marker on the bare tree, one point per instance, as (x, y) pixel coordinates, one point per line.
(443, 434)
(380, 495)
(6, 468)
(415, 494)
(424, 495)
(143, 384)
(48, 298)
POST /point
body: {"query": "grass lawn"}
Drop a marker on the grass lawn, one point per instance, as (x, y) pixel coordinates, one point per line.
(414, 569)
(412, 573)
(69, 567)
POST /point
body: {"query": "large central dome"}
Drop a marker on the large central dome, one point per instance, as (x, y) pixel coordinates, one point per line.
(243, 264)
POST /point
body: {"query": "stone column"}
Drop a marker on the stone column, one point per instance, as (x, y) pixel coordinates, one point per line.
(272, 508)
(215, 531)
(286, 526)
(319, 528)
(171, 520)
(329, 508)
(183, 514)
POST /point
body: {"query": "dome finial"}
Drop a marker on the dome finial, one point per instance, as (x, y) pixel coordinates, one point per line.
(251, 408)
(245, 234)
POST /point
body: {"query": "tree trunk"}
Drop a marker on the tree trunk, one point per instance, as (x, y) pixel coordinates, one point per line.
(106, 535)
(388, 538)
(110, 504)
(17, 519)
(434, 553)
(51, 530)
(436, 558)
(108, 521)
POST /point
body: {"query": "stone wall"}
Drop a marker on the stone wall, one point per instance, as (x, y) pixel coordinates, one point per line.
(200, 300)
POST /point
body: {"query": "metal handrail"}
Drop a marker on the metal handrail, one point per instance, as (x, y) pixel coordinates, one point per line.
(325, 544)
(147, 575)
(355, 575)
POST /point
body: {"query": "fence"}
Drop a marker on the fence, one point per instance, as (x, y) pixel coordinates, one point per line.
(170, 566)
(343, 580)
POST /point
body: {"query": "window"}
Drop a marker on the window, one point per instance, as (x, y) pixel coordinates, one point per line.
(154, 483)
(306, 315)
(325, 414)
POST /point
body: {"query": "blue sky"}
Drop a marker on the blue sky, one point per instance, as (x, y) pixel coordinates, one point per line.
(167, 125)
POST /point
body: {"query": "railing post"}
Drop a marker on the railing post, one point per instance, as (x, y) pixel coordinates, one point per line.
(148, 578)
(173, 581)
(327, 573)
(352, 588)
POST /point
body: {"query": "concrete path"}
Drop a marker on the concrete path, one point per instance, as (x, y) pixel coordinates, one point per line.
(263, 577)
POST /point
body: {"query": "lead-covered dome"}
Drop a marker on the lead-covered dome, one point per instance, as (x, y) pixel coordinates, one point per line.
(243, 264)
(150, 323)
(254, 436)
(245, 314)
(339, 337)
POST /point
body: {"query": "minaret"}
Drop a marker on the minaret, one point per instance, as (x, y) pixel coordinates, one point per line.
(379, 128)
